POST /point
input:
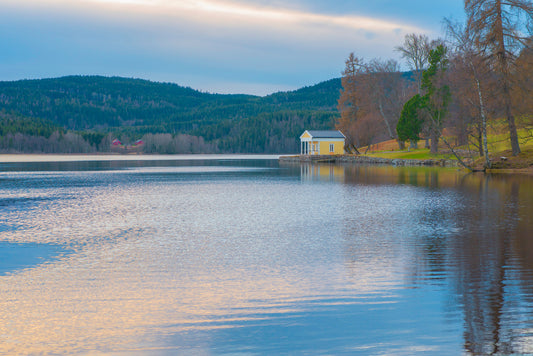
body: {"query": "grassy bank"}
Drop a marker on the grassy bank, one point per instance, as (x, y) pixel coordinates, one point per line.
(499, 148)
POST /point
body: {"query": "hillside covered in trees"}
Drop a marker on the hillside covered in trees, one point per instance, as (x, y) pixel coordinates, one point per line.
(85, 113)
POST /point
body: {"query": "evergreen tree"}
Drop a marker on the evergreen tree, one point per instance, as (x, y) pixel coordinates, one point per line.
(410, 124)
(437, 95)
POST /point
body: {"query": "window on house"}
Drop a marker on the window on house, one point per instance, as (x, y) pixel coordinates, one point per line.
(331, 147)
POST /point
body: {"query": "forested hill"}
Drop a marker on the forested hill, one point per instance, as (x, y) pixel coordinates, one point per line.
(134, 108)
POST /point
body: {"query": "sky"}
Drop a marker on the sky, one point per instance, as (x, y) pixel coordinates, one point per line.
(218, 46)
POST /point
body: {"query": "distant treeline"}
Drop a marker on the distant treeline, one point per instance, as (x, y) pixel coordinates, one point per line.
(85, 113)
(26, 135)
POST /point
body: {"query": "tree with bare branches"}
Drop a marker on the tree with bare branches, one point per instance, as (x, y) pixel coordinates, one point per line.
(383, 90)
(472, 76)
(501, 29)
(415, 50)
(371, 100)
(348, 103)
(522, 91)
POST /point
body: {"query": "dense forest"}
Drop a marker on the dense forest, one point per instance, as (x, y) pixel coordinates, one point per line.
(85, 114)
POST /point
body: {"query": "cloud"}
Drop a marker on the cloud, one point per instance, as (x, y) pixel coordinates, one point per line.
(217, 19)
(224, 40)
(223, 12)
(235, 28)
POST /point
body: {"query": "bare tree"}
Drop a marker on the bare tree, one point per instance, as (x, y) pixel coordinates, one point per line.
(415, 50)
(500, 32)
(522, 91)
(371, 100)
(471, 70)
(367, 130)
(348, 103)
(383, 91)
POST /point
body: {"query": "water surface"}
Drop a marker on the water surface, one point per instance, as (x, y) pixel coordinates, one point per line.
(236, 255)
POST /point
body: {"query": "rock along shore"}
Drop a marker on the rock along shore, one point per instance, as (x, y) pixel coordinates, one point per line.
(368, 160)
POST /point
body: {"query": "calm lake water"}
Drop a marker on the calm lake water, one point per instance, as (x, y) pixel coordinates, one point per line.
(242, 256)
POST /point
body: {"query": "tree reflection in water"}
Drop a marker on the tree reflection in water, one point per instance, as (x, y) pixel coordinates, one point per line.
(490, 265)
(485, 253)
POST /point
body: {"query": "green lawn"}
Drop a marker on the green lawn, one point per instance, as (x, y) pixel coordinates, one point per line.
(497, 143)
(421, 153)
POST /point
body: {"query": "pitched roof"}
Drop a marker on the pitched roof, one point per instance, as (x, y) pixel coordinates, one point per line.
(326, 133)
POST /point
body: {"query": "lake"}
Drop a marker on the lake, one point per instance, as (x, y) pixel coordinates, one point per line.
(239, 255)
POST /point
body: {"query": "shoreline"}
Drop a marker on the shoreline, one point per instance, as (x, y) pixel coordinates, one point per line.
(526, 171)
(75, 157)
(395, 162)
(369, 160)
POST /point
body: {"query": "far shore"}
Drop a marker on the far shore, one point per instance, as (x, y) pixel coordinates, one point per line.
(73, 157)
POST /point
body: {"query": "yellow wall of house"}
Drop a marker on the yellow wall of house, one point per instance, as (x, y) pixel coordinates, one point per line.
(338, 148)
(305, 135)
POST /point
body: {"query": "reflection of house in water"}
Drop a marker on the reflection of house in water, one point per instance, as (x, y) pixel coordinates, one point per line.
(322, 172)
